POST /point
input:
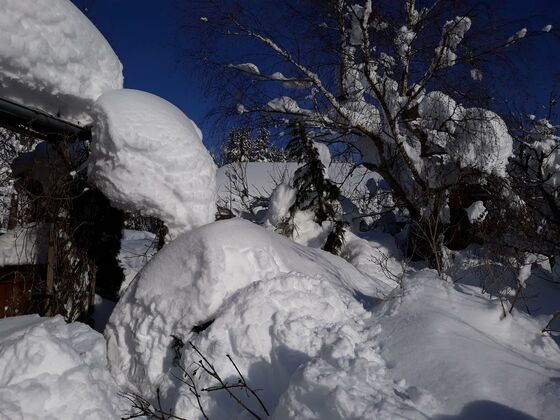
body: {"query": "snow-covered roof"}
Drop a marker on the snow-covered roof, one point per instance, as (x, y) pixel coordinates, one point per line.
(54, 59)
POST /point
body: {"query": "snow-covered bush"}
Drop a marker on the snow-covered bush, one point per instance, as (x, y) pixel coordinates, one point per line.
(148, 156)
(54, 59)
(223, 271)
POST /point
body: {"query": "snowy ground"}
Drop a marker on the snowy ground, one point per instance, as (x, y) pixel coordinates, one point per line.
(317, 336)
(320, 338)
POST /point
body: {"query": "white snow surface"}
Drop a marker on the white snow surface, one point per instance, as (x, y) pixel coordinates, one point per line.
(472, 137)
(148, 156)
(277, 305)
(476, 212)
(54, 59)
(24, 245)
(137, 248)
(263, 177)
(451, 341)
(50, 370)
(281, 199)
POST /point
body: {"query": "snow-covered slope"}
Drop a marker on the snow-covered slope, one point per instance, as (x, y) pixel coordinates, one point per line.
(53, 58)
(50, 370)
(451, 341)
(148, 156)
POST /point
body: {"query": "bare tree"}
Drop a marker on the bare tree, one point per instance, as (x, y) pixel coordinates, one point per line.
(386, 81)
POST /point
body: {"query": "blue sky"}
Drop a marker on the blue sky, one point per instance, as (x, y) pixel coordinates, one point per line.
(146, 36)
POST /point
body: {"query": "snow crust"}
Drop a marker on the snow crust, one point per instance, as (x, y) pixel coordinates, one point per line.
(148, 156)
(273, 301)
(451, 342)
(51, 370)
(54, 59)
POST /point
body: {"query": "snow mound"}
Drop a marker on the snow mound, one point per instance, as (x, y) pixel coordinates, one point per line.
(375, 256)
(302, 341)
(54, 59)
(52, 370)
(188, 282)
(148, 156)
(451, 341)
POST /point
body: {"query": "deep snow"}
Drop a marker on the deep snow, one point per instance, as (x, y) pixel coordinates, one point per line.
(54, 59)
(148, 156)
(50, 370)
(311, 332)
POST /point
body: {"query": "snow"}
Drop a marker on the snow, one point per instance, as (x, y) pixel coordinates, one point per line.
(261, 178)
(453, 33)
(284, 104)
(137, 248)
(282, 198)
(518, 35)
(476, 74)
(247, 67)
(24, 245)
(51, 370)
(450, 341)
(375, 255)
(549, 148)
(403, 41)
(54, 59)
(192, 279)
(148, 156)
(476, 212)
(302, 341)
(472, 137)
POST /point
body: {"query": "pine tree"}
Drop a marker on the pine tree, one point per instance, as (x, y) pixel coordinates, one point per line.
(241, 147)
(314, 191)
(238, 146)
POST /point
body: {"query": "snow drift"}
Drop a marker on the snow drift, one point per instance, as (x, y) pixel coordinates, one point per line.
(52, 370)
(148, 156)
(278, 307)
(54, 59)
(451, 341)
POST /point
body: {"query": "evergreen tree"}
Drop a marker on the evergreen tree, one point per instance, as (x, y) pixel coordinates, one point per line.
(314, 191)
(238, 146)
(241, 147)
